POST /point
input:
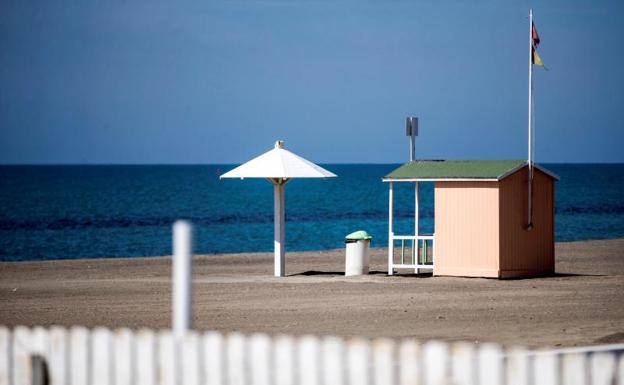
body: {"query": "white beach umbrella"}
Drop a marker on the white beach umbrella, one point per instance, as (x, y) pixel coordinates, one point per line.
(278, 166)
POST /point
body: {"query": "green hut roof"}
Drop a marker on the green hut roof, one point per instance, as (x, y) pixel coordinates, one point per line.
(459, 169)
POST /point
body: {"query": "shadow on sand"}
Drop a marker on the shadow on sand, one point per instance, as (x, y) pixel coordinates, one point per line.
(374, 272)
(556, 275)
(430, 275)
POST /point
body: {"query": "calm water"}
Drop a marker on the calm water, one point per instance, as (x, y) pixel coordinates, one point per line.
(52, 212)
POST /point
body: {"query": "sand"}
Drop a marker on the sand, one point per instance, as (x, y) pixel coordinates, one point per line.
(582, 304)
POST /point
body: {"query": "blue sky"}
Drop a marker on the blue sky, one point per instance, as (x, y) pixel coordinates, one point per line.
(218, 82)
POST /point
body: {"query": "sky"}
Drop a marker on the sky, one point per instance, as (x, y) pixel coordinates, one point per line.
(125, 82)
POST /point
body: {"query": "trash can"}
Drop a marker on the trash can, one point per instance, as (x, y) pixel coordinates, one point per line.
(356, 261)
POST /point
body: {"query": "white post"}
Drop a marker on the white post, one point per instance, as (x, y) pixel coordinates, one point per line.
(279, 238)
(530, 124)
(416, 223)
(182, 290)
(390, 232)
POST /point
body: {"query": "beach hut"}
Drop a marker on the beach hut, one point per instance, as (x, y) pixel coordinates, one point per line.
(278, 166)
(485, 223)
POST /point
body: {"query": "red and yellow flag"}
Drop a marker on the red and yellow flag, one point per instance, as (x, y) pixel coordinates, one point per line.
(537, 60)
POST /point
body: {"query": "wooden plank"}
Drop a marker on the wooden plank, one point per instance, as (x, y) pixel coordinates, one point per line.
(463, 364)
(123, 357)
(145, 357)
(308, 355)
(602, 367)
(410, 372)
(517, 366)
(545, 370)
(235, 359)
(358, 352)
(58, 355)
(190, 364)
(213, 358)
(79, 340)
(435, 356)
(5, 356)
(22, 370)
(166, 358)
(260, 359)
(490, 364)
(574, 369)
(383, 362)
(284, 361)
(101, 357)
(332, 360)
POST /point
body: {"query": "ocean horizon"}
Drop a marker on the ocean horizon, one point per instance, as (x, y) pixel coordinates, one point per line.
(98, 211)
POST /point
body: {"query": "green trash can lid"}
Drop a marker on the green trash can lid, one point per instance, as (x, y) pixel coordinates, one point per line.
(358, 236)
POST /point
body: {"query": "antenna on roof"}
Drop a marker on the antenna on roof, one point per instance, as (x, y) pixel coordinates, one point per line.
(411, 130)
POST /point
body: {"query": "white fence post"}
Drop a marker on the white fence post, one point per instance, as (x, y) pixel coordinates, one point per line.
(145, 357)
(308, 355)
(167, 367)
(602, 368)
(620, 370)
(39, 338)
(284, 360)
(101, 357)
(545, 369)
(123, 360)
(574, 369)
(435, 355)
(463, 364)
(517, 366)
(190, 361)
(410, 372)
(358, 352)
(260, 359)
(79, 342)
(332, 355)
(383, 362)
(5, 358)
(236, 359)
(58, 355)
(490, 364)
(22, 370)
(214, 363)
(182, 285)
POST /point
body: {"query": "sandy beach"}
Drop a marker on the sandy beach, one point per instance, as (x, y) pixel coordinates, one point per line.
(582, 304)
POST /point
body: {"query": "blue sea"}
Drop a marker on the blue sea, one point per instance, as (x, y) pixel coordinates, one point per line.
(71, 212)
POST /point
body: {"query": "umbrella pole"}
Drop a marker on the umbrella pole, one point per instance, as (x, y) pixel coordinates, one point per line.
(280, 252)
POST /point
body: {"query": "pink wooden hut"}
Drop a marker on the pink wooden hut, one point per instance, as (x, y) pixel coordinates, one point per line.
(481, 219)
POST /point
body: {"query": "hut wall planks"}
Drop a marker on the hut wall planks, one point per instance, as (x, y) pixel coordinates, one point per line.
(526, 252)
(466, 229)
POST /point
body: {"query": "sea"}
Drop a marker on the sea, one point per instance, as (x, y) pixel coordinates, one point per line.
(111, 211)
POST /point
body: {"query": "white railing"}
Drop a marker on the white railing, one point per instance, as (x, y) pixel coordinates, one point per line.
(79, 356)
(414, 259)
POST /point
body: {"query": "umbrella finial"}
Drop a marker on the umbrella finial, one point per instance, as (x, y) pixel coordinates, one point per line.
(279, 144)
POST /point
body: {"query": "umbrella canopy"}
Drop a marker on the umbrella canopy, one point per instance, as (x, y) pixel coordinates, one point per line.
(278, 163)
(279, 166)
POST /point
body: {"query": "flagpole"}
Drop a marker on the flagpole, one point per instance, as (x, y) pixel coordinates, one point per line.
(530, 147)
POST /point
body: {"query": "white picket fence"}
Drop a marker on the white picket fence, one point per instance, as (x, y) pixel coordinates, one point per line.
(79, 356)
